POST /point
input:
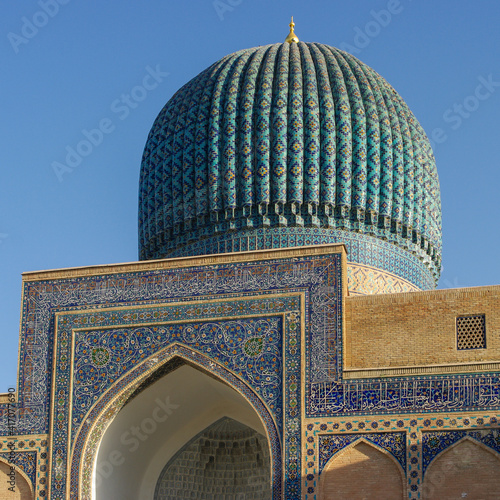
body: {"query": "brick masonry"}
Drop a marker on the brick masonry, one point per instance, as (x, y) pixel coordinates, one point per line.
(419, 328)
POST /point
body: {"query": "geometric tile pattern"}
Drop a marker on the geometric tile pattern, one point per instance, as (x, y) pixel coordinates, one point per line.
(288, 136)
(471, 332)
(26, 461)
(393, 442)
(388, 256)
(365, 280)
(249, 347)
(30, 455)
(325, 437)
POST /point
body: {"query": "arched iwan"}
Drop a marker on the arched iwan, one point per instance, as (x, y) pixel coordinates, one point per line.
(226, 460)
(99, 418)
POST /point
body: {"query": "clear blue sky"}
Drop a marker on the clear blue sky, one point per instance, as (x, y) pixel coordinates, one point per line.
(67, 69)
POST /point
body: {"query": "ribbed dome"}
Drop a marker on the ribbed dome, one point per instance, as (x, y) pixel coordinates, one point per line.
(285, 145)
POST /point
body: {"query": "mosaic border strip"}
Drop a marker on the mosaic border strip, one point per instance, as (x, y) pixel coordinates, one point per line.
(361, 249)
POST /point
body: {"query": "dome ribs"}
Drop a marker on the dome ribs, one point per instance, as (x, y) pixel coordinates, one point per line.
(144, 189)
(295, 156)
(279, 139)
(385, 167)
(408, 159)
(215, 146)
(246, 174)
(426, 231)
(158, 158)
(418, 181)
(358, 194)
(434, 216)
(396, 212)
(262, 134)
(327, 141)
(311, 166)
(372, 136)
(166, 130)
(343, 133)
(189, 188)
(177, 163)
(147, 192)
(415, 196)
(229, 136)
(201, 147)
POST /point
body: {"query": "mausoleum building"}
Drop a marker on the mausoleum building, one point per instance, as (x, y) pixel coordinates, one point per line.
(281, 336)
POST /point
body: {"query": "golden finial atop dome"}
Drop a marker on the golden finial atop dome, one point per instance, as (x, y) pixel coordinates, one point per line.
(292, 37)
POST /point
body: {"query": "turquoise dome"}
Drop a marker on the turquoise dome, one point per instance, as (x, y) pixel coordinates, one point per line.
(292, 144)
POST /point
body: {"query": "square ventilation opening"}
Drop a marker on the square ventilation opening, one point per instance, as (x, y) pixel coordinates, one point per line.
(471, 332)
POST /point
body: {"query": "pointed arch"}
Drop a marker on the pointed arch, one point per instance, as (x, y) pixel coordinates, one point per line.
(97, 420)
(23, 489)
(467, 466)
(362, 470)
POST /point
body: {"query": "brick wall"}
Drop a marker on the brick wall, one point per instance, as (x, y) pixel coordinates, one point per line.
(362, 472)
(418, 328)
(22, 489)
(466, 470)
(227, 461)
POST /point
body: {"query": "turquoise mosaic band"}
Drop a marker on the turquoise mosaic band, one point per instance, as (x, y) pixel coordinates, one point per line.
(411, 263)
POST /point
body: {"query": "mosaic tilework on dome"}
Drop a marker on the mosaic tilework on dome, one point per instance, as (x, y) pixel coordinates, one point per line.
(288, 136)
